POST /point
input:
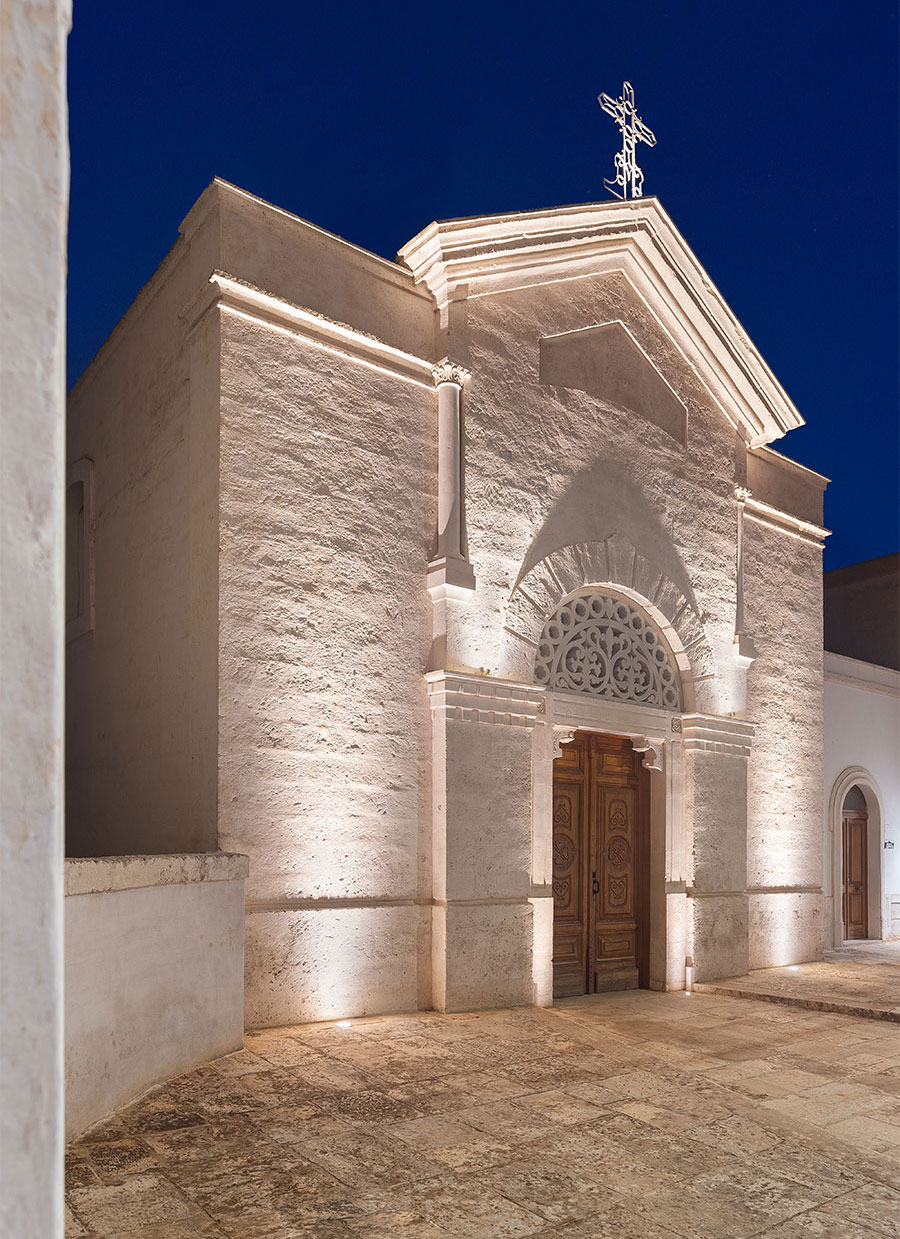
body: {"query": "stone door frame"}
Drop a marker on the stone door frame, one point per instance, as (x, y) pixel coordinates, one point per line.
(658, 734)
(674, 745)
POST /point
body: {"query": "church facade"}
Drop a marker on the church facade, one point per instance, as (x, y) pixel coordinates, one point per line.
(463, 594)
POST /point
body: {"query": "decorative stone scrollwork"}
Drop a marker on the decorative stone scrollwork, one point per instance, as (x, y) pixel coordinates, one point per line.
(599, 644)
(561, 736)
(652, 749)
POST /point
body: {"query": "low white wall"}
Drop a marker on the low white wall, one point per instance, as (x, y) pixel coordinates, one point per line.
(862, 732)
(154, 962)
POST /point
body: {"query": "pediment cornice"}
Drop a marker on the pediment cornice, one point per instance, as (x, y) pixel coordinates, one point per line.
(491, 255)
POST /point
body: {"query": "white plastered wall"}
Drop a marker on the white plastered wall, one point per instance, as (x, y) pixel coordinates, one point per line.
(154, 974)
(862, 740)
(34, 192)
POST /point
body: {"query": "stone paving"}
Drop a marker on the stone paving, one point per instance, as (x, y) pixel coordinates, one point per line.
(859, 978)
(634, 1116)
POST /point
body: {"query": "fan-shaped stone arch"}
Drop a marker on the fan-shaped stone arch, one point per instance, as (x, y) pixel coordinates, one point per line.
(615, 563)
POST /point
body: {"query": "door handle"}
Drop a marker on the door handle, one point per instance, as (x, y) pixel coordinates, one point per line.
(596, 883)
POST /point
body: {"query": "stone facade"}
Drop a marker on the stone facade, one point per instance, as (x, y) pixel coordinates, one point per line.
(324, 563)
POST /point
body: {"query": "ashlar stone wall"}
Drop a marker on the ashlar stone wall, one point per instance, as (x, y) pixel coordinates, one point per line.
(326, 503)
(399, 852)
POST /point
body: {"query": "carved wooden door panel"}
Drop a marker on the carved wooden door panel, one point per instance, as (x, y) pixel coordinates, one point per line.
(856, 891)
(570, 896)
(600, 867)
(615, 911)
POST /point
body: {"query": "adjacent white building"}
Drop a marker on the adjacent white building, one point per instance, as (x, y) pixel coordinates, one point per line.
(862, 750)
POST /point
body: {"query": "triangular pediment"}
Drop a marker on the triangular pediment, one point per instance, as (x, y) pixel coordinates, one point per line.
(491, 255)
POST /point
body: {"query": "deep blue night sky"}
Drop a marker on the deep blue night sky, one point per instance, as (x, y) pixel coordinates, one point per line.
(776, 158)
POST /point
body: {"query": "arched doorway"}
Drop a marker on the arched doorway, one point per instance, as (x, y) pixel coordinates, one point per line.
(855, 791)
(855, 865)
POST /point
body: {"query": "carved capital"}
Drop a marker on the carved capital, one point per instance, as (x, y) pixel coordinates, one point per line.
(742, 493)
(653, 750)
(448, 371)
(561, 736)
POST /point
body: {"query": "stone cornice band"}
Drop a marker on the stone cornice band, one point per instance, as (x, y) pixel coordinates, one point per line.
(467, 697)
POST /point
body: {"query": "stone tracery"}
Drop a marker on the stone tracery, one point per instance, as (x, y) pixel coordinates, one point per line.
(600, 644)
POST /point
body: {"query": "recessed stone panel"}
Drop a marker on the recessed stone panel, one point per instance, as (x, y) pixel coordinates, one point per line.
(608, 363)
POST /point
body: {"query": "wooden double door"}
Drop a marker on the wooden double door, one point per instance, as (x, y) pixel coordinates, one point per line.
(601, 812)
(856, 865)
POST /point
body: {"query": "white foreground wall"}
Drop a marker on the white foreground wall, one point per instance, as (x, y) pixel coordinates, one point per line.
(862, 748)
(34, 191)
(154, 973)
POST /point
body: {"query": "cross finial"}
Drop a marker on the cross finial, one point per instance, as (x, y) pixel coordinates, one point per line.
(628, 174)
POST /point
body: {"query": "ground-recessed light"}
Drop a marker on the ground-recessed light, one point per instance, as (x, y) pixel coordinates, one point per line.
(343, 1024)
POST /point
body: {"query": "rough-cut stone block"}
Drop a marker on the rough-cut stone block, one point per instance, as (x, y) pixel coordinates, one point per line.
(488, 956)
(328, 963)
(488, 830)
(717, 795)
(785, 928)
(720, 928)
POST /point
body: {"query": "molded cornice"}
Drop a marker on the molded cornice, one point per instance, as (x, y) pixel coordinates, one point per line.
(251, 303)
(488, 255)
(784, 522)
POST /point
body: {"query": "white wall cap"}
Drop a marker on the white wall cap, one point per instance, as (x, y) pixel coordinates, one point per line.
(91, 874)
(867, 676)
(249, 302)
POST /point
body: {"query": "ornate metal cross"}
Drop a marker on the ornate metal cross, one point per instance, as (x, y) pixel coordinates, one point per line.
(628, 174)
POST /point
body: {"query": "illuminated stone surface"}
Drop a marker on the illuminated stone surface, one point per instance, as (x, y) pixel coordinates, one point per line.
(631, 1116)
(318, 608)
(858, 978)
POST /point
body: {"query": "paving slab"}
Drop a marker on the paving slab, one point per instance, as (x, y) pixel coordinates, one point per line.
(859, 978)
(659, 1116)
